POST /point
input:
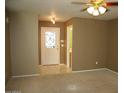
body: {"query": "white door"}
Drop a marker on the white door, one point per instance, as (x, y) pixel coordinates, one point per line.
(50, 45)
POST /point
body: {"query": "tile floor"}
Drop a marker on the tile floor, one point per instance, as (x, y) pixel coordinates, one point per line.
(54, 69)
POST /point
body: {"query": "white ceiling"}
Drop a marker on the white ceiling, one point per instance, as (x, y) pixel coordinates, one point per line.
(62, 9)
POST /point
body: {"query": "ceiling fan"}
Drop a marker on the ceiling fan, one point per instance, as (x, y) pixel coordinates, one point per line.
(96, 7)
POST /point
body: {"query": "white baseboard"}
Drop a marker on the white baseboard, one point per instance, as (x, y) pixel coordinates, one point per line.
(111, 71)
(31, 75)
(95, 70)
(89, 70)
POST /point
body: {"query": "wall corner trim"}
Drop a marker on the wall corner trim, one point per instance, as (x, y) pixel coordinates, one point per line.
(112, 71)
(95, 70)
(31, 75)
(89, 70)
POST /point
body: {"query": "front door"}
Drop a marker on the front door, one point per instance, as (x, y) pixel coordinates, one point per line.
(50, 45)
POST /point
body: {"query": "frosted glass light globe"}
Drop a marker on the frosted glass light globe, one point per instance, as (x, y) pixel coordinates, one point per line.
(95, 12)
(102, 10)
(90, 10)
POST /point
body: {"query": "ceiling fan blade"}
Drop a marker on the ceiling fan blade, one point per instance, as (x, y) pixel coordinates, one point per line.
(101, 2)
(112, 3)
(84, 9)
(79, 3)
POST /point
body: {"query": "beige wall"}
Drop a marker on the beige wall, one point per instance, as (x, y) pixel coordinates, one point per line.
(94, 40)
(24, 43)
(62, 37)
(113, 45)
(90, 39)
(7, 50)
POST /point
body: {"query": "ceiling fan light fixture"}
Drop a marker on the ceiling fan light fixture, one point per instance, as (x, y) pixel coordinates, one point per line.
(95, 12)
(97, 7)
(90, 10)
(102, 10)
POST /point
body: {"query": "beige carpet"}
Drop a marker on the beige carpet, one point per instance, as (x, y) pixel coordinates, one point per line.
(102, 81)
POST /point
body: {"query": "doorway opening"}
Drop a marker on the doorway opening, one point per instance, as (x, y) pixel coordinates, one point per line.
(50, 52)
(69, 46)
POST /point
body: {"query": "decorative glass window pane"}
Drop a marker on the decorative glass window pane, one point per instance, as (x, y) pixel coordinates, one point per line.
(50, 39)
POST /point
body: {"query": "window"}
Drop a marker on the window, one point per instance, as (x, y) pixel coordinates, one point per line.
(50, 39)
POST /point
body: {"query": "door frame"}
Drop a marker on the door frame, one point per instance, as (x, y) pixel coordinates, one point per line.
(69, 64)
(39, 42)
